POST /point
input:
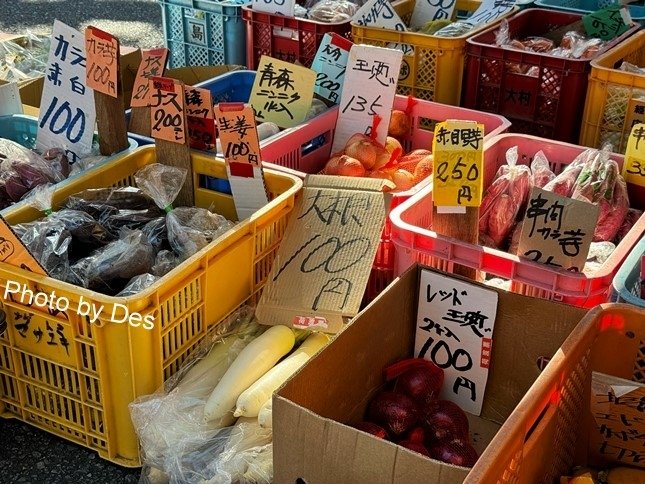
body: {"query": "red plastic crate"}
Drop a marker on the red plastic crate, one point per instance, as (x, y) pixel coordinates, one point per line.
(414, 241)
(288, 38)
(307, 148)
(549, 105)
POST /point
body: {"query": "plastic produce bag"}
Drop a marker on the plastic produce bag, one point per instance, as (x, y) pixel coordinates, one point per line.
(110, 268)
(634, 69)
(48, 240)
(170, 423)
(633, 215)
(189, 229)
(24, 58)
(541, 173)
(455, 29)
(600, 183)
(138, 284)
(563, 183)
(165, 262)
(333, 11)
(504, 199)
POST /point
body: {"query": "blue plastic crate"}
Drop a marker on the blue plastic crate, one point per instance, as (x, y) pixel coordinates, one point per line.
(626, 286)
(204, 32)
(23, 130)
(587, 6)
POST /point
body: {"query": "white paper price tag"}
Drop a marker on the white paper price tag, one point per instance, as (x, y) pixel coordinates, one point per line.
(455, 323)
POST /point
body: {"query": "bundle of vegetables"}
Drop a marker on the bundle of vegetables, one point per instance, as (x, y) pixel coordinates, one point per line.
(116, 240)
(408, 412)
(573, 45)
(212, 422)
(365, 157)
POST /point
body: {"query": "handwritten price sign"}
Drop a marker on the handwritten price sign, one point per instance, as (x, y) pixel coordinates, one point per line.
(330, 65)
(458, 164)
(153, 64)
(167, 113)
(455, 331)
(102, 61)
(634, 166)
(200, 118)
(608, 23)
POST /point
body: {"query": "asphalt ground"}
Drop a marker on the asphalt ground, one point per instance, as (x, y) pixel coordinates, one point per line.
(134, 22)
(29, 455)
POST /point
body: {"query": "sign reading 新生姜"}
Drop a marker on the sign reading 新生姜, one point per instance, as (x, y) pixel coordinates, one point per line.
(241, 148)
(458, 164)
(369, 90)
(455, 322)
(557, 231)
(282, 92)
(67, 115)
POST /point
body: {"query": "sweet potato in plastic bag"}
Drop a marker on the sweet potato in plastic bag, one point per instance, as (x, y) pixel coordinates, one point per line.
(504, 199)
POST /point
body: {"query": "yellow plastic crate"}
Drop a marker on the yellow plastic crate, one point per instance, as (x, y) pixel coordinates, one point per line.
(609, 93)
(81, 391)
(435, 70)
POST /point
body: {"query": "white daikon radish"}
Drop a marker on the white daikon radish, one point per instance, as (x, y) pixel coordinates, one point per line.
(255, 360)
(265, 416)
(252, 399)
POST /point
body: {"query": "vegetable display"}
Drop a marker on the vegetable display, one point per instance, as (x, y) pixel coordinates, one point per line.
(408, 411)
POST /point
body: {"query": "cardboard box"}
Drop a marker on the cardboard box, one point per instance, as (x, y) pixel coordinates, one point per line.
(312, 441)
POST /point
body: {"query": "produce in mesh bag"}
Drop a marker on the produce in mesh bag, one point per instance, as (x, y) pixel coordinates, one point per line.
(504, 199)
(190, 229)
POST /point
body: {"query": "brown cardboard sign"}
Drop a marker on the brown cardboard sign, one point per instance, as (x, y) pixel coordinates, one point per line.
(322, 267)
(617, 407)
(557, 231)
(14, 252)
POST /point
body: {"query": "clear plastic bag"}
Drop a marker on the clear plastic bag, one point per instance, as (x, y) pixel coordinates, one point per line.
(48, 240)
(170, 423)
(504, 199)
(190, 229)
(333, 11)
(455, 29)
(138, 284)
(541, 172)
(634, 69)
(165, 262)
(110, 268)
(24, 58)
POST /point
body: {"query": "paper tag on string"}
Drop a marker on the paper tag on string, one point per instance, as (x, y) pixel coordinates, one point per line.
(67, 113)
(167, 115)
(369, 90)
(330, 65)
(102, 72)
(200, 118)
(608, 23)
(455, 322)
(282, 92)
(634, 165)
(427, 11)
(153, 64)
(241, 147)
(557, 231)
(458, 164)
